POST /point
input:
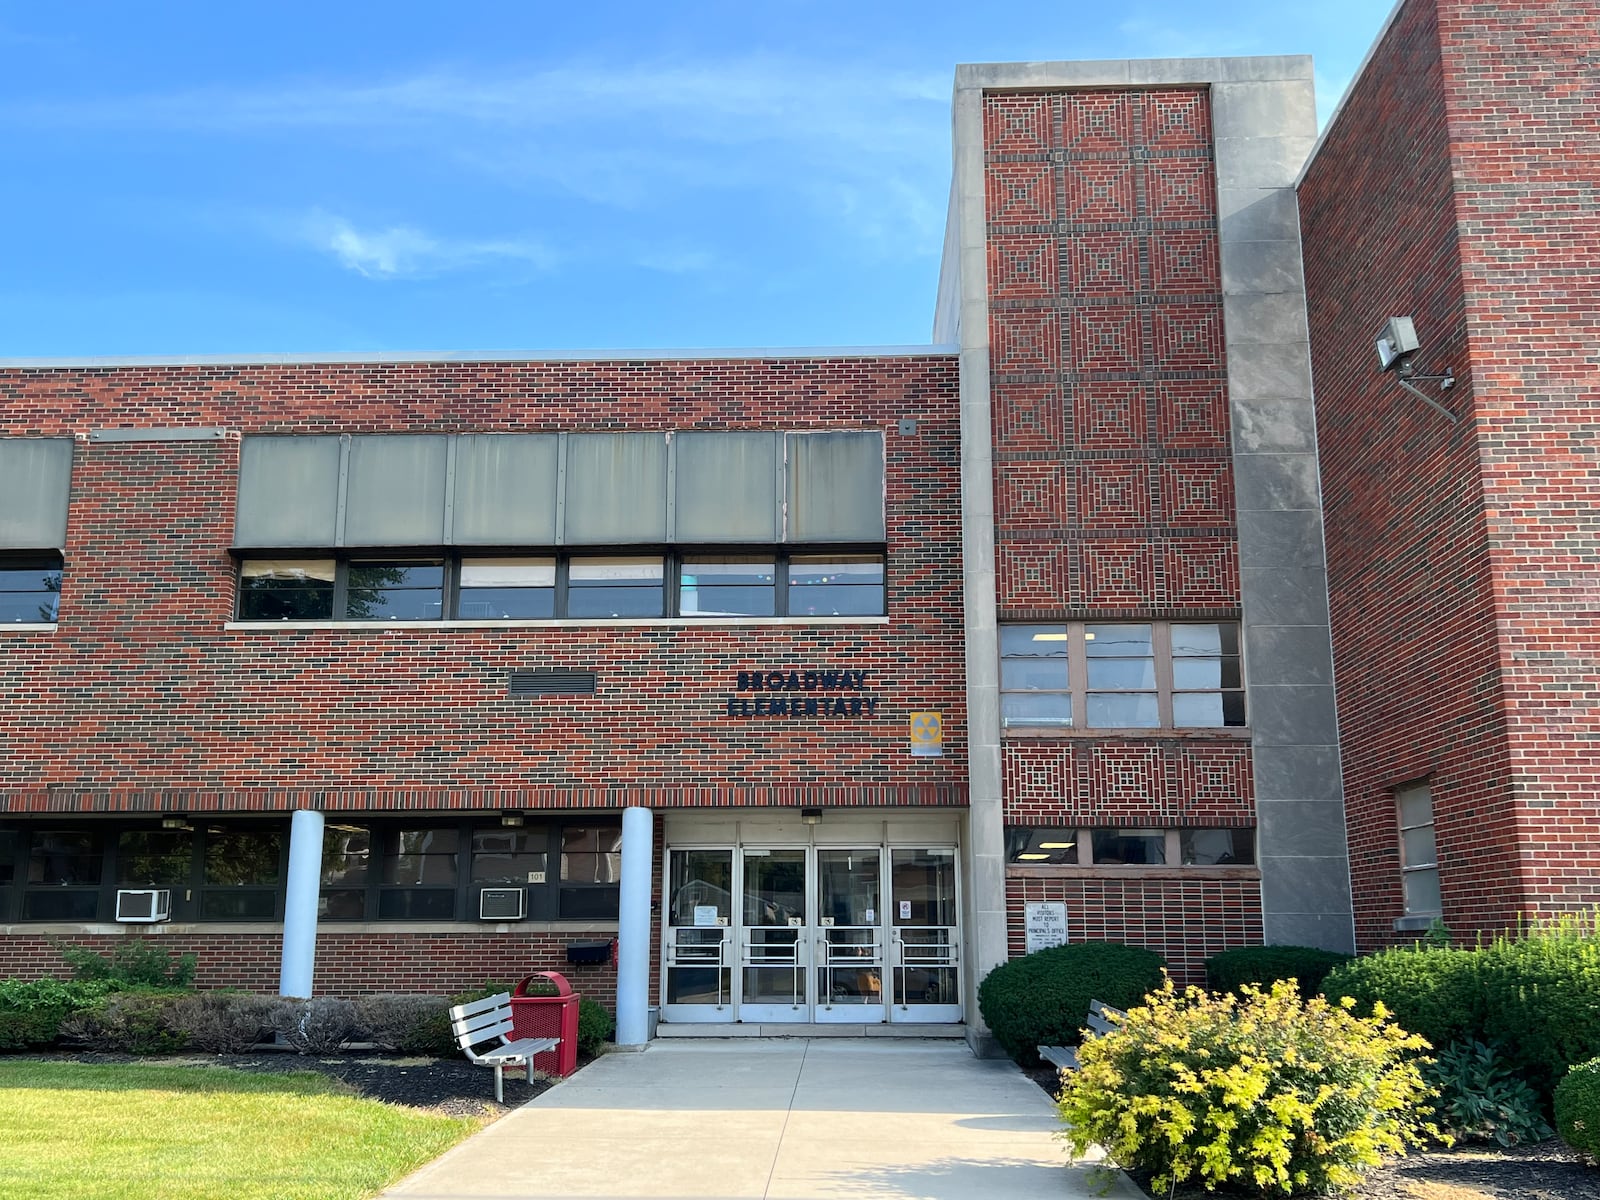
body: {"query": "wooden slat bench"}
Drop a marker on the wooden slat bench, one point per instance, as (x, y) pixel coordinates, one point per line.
(1102, 1020)
(489, 1019)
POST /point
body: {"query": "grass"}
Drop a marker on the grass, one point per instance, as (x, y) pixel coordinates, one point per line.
(90, 1132)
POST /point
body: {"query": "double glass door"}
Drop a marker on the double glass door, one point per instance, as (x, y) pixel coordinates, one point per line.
(810, 934)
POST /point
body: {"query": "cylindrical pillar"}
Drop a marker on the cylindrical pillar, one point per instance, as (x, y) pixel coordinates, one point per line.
(633, 928)
(300, 904)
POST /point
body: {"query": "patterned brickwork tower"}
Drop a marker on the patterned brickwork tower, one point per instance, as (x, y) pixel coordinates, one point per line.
(1457, 185)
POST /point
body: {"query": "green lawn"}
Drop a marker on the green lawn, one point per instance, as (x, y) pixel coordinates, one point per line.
(78, 1132)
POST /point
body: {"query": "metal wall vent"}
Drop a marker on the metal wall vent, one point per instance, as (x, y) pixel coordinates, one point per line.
(552, 683)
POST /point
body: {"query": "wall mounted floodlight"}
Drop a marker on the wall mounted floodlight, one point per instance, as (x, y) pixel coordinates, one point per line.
(512, 818)
(811, 816)
(179, 822)
(1397, 350)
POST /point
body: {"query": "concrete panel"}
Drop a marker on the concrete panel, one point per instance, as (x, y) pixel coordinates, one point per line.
(1293, 773)
(1253, 318)
(1258, 370)
(1293, 714)
(1273, 424)
(1296, 828)
(1286, 595)
(1279, 482)
(1250, 162)
(1261, 267)
(1259, 215)
(1293, 885)
(1288, 654)
(1279, 539)
(1328, 932)
(1245, 109)
(1044, 74)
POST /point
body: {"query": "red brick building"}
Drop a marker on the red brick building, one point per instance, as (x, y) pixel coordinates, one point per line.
(1456, 185)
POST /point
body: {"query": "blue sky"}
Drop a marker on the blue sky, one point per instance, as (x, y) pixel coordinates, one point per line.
(238, 177)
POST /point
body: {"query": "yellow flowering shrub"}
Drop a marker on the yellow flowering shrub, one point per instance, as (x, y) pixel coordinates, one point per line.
(1261, 1090)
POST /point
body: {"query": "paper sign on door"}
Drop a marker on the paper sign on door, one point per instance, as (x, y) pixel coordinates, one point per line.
(905, 910)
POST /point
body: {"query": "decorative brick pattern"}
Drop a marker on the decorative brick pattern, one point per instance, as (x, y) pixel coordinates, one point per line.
(1023, 266)
(1030, 494)
(1131, 781)
(1200, 572)
(1032, 420)
(1458, 185)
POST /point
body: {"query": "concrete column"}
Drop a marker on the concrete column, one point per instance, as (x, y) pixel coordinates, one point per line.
(300, 904)
(633, 928)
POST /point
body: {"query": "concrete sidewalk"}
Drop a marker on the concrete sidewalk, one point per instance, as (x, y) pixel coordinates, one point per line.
(775, 1120)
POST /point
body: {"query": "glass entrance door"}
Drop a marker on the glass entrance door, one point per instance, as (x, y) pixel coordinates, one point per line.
(697, 959)
(775, 944)
(849, 935)
(925, 936)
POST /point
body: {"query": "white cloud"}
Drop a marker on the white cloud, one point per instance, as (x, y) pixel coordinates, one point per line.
(403, 251)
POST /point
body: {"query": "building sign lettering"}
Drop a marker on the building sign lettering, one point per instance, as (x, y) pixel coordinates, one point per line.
(754, 695)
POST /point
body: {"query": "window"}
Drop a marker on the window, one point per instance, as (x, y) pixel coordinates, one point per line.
(420, 870)
(243, 874)
(346, 872)
(542, 587)
(64, 871)
(591, 869)
(1074, 847)
(30, 590)
(1122, 675)
(1419, 852)
(154, 857)
(509, 856)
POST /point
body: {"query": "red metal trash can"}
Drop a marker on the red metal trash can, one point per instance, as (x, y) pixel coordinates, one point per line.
(548, 1016)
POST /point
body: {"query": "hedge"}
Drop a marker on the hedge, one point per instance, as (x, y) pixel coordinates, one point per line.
(1043, 998)
(1266, 965)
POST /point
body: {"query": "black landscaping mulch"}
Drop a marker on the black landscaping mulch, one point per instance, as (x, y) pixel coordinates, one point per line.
(1548, 1170)
(454, 1087)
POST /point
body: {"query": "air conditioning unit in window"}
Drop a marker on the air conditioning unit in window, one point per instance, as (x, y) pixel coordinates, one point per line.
(502, 904)
(144, 906)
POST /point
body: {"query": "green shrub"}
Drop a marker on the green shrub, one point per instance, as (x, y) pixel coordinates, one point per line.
(408, 1024)
(1431, 992)
(1577, 1106)
(596, 1027)
(31, 1013)
(318, 1026)
(1481, 1097)
(221, 1022)
(1541, 998)
(1263, 1091)
(127, 1022)
(1042, 999)
(135, 963)
(1263, 965)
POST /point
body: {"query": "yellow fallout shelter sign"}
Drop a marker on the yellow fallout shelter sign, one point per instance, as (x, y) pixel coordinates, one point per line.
(927, 734)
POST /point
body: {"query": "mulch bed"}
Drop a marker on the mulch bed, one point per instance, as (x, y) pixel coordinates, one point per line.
(453, 1087)
(1546, 1171)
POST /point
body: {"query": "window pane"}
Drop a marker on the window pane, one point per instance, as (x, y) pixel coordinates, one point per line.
(1197, 710)
(417, 904)
(1416, 806)
(243, 857)
(29, 595)
(1110, 641)
(251, 904)
(422, 856)
(1203, 640)
(286, 589)
(1129, 848)
(1127, 710)
(65, 858)
(508, 855)
(150, 857)
(1233, 710)
(507, 589)
(1422, 891)
(1042, 846)
(1420, 850)
(76, 904)
(9, 840)
(1042, 709)
(728, 587)
(346, 856)
(837, 571)
(1131, 673)
(849, 586)
(591, 854)
(1217, 847)
(596, 904)
(1033, 641)
(615, 587)
(342, 904)
(395, 591)
(1033, 674)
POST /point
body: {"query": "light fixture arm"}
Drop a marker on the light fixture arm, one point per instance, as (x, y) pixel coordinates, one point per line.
(1406, 376)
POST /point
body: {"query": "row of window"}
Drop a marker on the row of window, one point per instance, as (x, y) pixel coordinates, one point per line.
(1067, 847)
(371, 871)
(456, 587)
(1127, 675)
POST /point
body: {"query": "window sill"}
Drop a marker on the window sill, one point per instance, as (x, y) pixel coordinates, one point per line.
(566, 623)
(1025, 871)
(29, 627)
(1208, 732)
(570, 928)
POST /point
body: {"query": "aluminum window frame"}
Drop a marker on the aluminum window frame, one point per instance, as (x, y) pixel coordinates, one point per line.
(1410, 870)
(1081, 854)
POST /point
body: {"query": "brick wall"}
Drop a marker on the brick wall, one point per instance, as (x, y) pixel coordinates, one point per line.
(1462, 558)
(141, 698)
(1113, 475)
